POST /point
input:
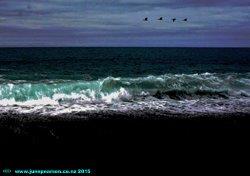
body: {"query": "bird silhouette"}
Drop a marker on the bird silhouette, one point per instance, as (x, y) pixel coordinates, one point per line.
(145, 19)
(161, 18)
(174, 19)
(185, 19)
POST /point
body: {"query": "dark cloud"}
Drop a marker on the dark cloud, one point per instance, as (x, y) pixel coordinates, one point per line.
(119, 23)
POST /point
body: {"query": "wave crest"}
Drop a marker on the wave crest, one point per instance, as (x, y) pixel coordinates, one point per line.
(172, 85)
(127, 91)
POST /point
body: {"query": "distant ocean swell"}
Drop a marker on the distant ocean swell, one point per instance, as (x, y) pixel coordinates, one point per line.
(207, 92)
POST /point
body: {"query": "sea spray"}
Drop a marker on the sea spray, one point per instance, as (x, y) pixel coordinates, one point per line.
(174, 92)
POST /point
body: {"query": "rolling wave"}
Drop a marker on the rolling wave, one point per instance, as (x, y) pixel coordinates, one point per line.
(169, 91)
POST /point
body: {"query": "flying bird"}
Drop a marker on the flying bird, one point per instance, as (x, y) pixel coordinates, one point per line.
(185, 19)
(145, 19)
(161, 18)
(173, 19)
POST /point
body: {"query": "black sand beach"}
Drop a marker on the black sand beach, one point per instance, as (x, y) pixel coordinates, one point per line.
(136, 142)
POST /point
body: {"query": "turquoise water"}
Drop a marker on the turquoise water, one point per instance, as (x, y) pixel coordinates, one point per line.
(63, 80)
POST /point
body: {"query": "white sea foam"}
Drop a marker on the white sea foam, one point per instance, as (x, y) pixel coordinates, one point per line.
(208, 92)
(43, 101)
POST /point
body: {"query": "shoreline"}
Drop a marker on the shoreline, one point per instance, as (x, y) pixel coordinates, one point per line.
(109, 140)
(43, 127)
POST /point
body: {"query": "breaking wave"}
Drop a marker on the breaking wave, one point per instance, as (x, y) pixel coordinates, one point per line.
(177, 92)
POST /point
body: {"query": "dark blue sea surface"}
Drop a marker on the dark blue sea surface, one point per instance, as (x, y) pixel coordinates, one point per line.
(180, 80)
(76, 63)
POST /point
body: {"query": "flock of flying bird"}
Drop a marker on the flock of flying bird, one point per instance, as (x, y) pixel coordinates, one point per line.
(161, 18)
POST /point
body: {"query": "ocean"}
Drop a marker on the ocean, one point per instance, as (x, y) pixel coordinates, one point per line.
(52, 81)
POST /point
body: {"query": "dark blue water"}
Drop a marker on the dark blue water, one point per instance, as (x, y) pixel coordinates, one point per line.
(94, 63)
(179, 80)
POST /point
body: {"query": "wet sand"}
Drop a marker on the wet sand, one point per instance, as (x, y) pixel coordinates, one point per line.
(122, 142)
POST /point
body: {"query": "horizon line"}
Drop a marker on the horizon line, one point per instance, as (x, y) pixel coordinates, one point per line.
(124, 46)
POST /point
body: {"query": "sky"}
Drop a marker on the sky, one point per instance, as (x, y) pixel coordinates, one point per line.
(118, 23)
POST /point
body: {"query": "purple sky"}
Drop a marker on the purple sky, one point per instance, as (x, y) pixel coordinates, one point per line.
(211, 23)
